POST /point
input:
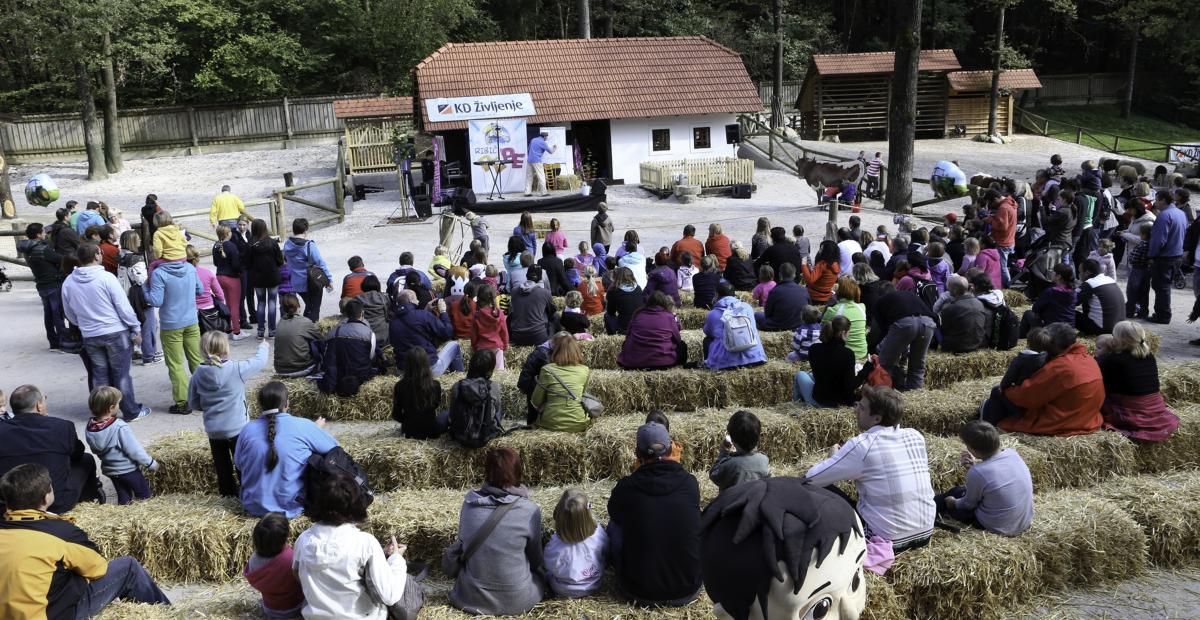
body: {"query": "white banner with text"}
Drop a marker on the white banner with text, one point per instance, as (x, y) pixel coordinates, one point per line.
(485, 106)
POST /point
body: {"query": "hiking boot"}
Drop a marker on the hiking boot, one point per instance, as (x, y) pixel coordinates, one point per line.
(180, 409)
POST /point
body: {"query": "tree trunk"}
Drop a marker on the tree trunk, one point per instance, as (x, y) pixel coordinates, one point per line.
(113, 160)
(91, 133)
(777, 91)
(8, 210)
(903, 126)
(1127, 107)
(585, 19)
(610, 16)
(996, 56)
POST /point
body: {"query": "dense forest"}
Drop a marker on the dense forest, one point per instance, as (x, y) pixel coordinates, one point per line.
(55, 53)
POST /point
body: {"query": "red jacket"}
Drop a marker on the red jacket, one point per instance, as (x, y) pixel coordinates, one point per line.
(277, 583)
(1063, 398)
(592, 304)
(489, 330)
(820, 280)
(1004, 223)
(691, 245)
(461, 322)
(718, 246)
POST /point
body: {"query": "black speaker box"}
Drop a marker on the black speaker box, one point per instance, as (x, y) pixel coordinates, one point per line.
(599, 187)
(741, 190)
(423, 204)
(733, 133)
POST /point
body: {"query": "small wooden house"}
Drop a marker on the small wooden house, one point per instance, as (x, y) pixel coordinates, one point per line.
(370, 126)
(970, 99)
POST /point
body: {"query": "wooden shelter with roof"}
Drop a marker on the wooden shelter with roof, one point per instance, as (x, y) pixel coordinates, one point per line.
(370, 125)
(624, 101)
(970, 99)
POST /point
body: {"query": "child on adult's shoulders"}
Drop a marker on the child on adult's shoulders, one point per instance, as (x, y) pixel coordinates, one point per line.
(270, 568)
(739, 460)
(998, 496)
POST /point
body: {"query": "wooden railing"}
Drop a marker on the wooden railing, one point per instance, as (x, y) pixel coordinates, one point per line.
(706, 172)
(1103, 140)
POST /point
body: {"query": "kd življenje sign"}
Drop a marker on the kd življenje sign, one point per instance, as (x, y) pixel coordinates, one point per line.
(487, 106)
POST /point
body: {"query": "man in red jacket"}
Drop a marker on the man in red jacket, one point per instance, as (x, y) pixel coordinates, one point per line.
(1003, 221)
(689, 243)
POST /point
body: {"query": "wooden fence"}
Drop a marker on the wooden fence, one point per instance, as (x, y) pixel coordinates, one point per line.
(705, 172)
(1113, 143)
(1079, 89)
(791, 92)
(178, 127)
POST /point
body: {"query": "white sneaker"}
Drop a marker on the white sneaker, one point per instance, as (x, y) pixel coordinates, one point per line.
(239, 336)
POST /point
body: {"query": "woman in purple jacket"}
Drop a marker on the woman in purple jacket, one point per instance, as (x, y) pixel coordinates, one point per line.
(663, 278)
(652, 341)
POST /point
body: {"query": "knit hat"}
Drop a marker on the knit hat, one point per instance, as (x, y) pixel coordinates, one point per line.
(653, 440)
(951, 217)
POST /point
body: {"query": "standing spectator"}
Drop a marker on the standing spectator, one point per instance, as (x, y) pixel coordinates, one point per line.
(823, 274)
(689, 243)
(225, 209)
(906, 328)
(868, 288)
(890, 471)
(170, 242)
(1166, 254)
(741, 347)
(264, 276)
(353, 281)
(51, 569)
(652, 341)
(88, 218)
(121, 454)
(301, 253)
(785, 305)
(218, 391)
(61, 235)
(874, 167)
(557, 239)
(531, 312)
(561, 384)
(1191, 250)
(1137, 286)
(654, 526)
(1003, 222)
(293, 341)
(109, 250)
(212, 293)
(1101, 298)
(131, 272)
(1133, 403)
(228, 262)
(174, 287)
(92, 299)
(717, 245)
(763, 235)
(32, 435)
(998, 495)
(428, 328)
(739, 269)
(964, 319)
(501, 573)
(147, 229)
(46, 265)
(272, 454)
(1064, 396)
(241, 238)
(525, 231)
(602, 228)
(622, 301)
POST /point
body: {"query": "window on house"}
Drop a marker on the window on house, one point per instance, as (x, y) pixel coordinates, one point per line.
(660, 139)
(701, 138)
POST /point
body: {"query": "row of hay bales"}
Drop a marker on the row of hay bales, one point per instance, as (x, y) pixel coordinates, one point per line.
(1080, 537)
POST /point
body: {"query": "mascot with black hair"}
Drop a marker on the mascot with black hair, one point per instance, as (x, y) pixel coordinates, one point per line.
(779, 548)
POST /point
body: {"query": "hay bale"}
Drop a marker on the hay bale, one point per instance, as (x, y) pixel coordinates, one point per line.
(1180, 451)
(233, 601)
(1016, 299)
(974, 575)
(1180, 383)
(1167, 508)
(1082, 540)
(1081, 460)
(883, 603)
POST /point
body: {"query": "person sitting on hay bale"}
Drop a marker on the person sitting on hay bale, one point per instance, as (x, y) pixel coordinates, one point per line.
(739, 269)
(51, 569)
(294, 338)
(272, 454)
(1062, 398)
(417, 398)
(890, 470)
(428, 329)
(705, 282)
(821, 276)
(32, 435)
(578, 550)
(375, 307)
(963, 319)
(739, 460)
(270, 571)
(1028, 361)
(532, 315)
(782, 548)
(475, 415)
(1053, 305)
(998, 496)
(833, 380)
(497, 561)
(560, 388)
(730, 336)
(663, 278)
(782, 250)
(784, 310)
(654, 526)
(653, 341)
(948, 180)
(621, 301)
(1133, 404)
(351, 356)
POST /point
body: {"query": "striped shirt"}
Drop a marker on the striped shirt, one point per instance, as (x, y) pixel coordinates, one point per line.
(804, 338)
(890, 469)
(874, 166)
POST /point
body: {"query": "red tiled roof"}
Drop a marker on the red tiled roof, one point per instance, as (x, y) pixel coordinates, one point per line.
(375, 106)
(1012, 79)
(881, 62)
(593, 79)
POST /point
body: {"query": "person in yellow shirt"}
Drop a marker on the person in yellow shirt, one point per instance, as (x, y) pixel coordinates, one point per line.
(225, 209)
(51, 569)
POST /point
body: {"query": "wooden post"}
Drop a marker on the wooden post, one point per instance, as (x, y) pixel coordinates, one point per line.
(339, 185)
(287, 119)
(288, 179)
(280, 222)
(832, 226)
(191, 112)
(1117, 145)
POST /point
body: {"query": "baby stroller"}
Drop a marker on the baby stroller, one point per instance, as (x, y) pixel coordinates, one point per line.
(1037, 273)
(5, 283)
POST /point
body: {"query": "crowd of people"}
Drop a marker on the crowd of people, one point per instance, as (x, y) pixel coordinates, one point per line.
(864, 310)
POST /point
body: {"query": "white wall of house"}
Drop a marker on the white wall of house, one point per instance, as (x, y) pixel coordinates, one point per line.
(633, 141)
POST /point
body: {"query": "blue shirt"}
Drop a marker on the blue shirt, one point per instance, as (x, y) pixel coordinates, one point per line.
(173, 288)
(296, 439)
(1166, 236)
(1000, 491)
(90, 217)
(299, 254)
(537, 148)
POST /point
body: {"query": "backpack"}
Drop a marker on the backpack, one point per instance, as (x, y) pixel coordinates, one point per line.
(927, 291)
(1006, 327)
(336, 462)
(1103, 211)
(740, 331)
(473, 424)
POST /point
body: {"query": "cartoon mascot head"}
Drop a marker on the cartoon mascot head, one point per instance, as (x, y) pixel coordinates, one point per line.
(779, 548)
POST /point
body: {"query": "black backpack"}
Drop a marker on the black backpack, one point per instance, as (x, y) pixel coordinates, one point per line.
(473, 421)
(1006, 327)
(336, 462)
(927, 291)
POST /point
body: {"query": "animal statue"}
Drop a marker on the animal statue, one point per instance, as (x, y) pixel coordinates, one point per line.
(779, 548)
(824, 174)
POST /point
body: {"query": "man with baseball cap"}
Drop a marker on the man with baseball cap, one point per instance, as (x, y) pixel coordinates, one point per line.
(654, 526)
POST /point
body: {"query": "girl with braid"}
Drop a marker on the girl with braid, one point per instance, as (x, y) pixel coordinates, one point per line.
(272, 452)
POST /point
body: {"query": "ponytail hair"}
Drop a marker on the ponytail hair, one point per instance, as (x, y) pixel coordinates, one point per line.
(215, 346)
(272, 396)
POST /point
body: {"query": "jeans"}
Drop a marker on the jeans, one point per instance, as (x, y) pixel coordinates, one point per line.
(129, 486)
(958, 514)
(312, 303)
(449, 359)
(227, 475)
(1005, 255)
(872, 186)
(232, 287)
(1161, 272)
(180, 345)
(268, 308)
(908, 337)
(151, 344)
(802, 387)
(1137, 292)
(125, 580)
(111, 356)
(52, 316)
(232, 224)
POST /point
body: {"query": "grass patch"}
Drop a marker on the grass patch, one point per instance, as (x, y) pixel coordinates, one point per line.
(1103, 122)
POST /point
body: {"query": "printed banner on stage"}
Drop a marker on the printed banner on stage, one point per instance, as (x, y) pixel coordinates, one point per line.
(485, 106)
(496, 140)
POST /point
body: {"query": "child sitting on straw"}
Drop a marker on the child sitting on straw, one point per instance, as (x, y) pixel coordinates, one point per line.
(270, 568)
(489, 329)
(658, 417)
(571, 270)
(806, 335)
(573, 319)
(685, 273)
(999, 492)
(439, 267)
(491, 275)
(120, 453)
(766, 282)
(739, 460)
(1023, 366)
(576, 554)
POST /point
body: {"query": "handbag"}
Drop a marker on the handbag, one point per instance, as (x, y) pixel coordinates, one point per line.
(591, 405)
(316, 276)
(211, 319)
(477, 541)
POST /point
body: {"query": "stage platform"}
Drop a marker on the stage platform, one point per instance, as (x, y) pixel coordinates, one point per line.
(557, 201)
